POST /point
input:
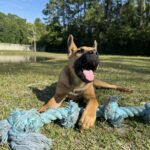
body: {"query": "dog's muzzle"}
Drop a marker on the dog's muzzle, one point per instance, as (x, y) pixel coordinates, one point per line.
(86, 65)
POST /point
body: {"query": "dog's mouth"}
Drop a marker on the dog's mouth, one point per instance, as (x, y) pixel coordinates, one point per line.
(88, 70)
(84, 69)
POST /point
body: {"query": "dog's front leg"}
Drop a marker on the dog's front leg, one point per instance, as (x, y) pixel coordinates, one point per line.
(89, 115)
(54, 102)
(57, 99)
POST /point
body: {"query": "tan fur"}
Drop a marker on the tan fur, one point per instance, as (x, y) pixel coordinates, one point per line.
(70, 85)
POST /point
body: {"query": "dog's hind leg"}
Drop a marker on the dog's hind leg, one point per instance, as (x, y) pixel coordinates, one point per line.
(103, 84)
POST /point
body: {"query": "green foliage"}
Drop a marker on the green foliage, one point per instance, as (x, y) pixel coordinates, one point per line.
(40, 28)
(120, 27)
(13, 29)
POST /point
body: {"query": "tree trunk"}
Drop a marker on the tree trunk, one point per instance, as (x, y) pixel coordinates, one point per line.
(142, 8)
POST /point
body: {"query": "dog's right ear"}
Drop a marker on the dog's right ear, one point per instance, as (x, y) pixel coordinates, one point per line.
(71, 45)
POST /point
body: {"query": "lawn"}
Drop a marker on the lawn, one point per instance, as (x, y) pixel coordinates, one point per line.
(28, 85)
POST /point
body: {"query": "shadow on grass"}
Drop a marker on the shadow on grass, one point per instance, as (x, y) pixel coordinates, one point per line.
(45, 94)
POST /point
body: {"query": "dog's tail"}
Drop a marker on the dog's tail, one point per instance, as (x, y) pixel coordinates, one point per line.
(103, 84)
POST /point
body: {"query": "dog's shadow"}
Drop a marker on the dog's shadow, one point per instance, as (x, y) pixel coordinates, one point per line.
(44, 94)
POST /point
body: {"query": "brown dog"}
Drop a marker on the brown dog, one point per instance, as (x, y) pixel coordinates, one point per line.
(76, 80)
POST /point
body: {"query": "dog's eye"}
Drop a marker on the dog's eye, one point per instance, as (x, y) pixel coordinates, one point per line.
(81, 51)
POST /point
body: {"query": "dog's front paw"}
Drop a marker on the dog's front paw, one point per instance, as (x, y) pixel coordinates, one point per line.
(87, 120)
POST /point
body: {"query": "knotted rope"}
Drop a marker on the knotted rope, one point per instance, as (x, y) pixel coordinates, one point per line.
(22, 128)
(115, 114)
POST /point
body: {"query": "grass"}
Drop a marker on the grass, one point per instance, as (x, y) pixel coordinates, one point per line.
(27, 85)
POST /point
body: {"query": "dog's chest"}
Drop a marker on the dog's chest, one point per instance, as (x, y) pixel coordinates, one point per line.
(75, 93)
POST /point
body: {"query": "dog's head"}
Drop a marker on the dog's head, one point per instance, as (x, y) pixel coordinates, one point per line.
(83, 61)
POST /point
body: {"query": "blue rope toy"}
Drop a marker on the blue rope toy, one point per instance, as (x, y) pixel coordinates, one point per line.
(21, 130)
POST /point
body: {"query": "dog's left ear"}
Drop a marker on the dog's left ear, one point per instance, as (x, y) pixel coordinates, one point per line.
(95, 45)
(71, 45)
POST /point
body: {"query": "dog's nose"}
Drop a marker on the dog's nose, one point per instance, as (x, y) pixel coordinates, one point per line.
(93, 52)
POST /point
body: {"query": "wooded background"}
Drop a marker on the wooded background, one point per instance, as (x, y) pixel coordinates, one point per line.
(119, 26)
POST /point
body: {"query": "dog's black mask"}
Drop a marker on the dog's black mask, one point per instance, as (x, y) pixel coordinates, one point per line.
(86, 65)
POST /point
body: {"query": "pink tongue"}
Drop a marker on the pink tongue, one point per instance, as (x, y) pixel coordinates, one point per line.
(88, 75)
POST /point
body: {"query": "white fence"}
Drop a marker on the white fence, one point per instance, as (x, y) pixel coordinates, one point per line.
(17, 47)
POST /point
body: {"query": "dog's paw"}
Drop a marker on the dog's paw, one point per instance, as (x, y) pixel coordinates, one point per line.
(87, 120)
(125, 90)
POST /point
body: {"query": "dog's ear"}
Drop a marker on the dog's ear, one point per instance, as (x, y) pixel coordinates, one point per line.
(95, 45)
(71, 45)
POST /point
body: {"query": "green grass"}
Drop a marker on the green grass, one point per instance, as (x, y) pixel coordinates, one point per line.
(27, 85)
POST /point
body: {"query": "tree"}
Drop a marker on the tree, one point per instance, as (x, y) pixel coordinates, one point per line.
(13, 29)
